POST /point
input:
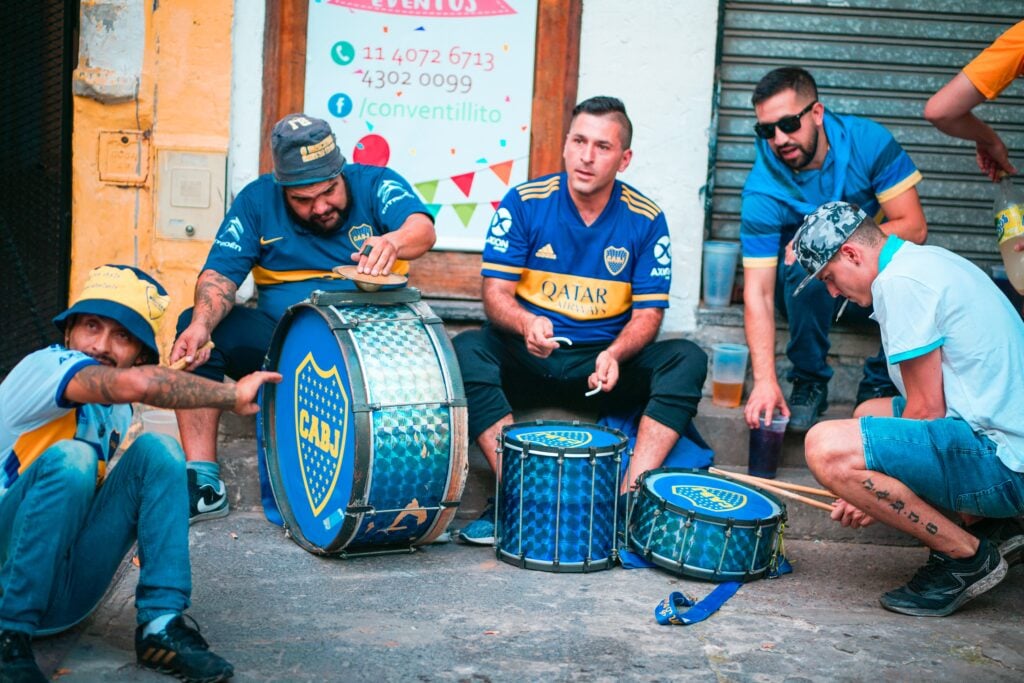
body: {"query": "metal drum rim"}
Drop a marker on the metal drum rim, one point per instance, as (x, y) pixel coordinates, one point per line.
(515, 444)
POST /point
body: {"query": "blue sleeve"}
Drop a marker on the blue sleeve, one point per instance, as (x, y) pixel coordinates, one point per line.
(395, 201)
(892, 170)
(33, 393)
(761, 224)
(507, 245)
(236, 247)
(652, 276)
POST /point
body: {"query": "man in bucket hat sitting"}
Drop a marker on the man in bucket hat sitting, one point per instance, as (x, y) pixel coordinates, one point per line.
(954, 438)
(63, 413)
(289, 228)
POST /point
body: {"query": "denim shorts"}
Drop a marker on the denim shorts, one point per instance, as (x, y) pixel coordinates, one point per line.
(944, 462)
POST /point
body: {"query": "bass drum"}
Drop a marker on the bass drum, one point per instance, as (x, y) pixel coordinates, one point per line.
(365, 436)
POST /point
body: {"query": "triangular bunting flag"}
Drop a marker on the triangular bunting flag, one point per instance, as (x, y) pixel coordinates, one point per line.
(464, 182)
(496, 205)
(503, 170)
(427, 189)
(433, 209)
(465, 212)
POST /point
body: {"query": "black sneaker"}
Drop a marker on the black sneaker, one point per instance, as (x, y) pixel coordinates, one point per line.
(866, 392)
(179, 650)
(943, 584)
(17, 663)
(205, 501)
(807, 402)
(481, 530)
(1005, 534)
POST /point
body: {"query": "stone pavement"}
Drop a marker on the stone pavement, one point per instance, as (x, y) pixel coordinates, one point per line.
(455, 613)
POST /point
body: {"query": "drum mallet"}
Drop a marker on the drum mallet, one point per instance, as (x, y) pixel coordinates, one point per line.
(182, 362)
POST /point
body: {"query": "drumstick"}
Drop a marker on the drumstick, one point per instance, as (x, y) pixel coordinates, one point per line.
(755, 481)
(783, 484)
(182, 362)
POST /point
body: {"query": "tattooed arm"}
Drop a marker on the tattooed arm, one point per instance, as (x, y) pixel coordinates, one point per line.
(215, 297)
(165, 388)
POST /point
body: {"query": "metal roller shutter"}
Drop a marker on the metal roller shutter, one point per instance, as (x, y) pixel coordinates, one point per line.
(881, 59)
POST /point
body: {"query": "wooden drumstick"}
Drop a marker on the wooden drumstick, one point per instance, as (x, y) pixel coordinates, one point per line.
(800, 488)
(758, 482)
(182, 362)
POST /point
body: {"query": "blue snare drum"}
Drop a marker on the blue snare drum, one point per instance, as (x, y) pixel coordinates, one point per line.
(365, 436)
(705, 526)
(558, 498)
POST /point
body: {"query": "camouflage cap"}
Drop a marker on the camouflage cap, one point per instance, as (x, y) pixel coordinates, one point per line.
(821, 235)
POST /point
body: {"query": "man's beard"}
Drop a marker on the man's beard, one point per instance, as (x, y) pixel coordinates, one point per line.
(806, 156)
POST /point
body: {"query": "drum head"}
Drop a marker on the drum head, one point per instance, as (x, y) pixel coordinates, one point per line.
(710, 497)
(572, 438)
(311, 449)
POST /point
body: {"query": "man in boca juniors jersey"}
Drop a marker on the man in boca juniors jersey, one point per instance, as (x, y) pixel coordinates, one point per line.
(577, 268)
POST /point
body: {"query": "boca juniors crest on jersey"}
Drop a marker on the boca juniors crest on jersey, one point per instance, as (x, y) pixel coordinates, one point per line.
(321, 420)
(359, 234)
(615, 259)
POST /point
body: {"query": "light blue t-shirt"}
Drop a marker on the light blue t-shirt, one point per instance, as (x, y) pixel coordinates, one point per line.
(34, 414)
(928, 298)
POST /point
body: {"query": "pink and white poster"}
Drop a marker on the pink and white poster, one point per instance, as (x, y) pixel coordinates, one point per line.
(439, 90)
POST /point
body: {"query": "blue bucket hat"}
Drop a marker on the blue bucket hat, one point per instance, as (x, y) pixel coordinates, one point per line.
(822, 233)
(125, 294)
(304, 150)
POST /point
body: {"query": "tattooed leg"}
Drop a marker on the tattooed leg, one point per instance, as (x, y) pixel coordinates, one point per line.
(835, 455)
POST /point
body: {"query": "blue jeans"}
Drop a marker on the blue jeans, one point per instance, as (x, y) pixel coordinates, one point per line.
(944, 462)
(810, 318)
(62, 539)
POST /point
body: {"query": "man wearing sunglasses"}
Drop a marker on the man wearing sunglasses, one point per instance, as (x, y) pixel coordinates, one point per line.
(807, 156)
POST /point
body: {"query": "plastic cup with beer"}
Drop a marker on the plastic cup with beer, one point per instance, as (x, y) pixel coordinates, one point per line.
(728, 370)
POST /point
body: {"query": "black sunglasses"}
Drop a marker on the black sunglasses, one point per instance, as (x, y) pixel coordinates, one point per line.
(787, 124)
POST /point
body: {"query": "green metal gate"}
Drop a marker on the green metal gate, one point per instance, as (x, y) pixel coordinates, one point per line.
(36, 58)
(881, 59)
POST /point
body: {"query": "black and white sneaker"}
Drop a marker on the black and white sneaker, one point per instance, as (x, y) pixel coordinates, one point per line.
(205, 501)
(180, 651)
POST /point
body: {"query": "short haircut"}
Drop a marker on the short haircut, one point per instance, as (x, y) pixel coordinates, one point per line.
(868, 233)
(607, 106)
(786, 78)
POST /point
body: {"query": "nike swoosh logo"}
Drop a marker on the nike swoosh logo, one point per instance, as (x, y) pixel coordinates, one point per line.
(203, 506)
(264, 241)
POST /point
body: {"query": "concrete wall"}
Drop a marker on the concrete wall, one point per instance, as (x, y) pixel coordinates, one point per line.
(660, 60)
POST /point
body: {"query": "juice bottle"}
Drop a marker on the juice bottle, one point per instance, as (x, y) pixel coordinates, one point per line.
(1009, 220)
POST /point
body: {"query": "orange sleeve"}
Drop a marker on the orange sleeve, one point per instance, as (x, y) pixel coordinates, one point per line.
(998, 64)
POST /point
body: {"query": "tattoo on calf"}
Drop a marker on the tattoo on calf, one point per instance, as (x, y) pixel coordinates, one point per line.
(898, 506)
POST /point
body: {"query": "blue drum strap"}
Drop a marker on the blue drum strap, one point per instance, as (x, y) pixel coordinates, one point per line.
(668, 611)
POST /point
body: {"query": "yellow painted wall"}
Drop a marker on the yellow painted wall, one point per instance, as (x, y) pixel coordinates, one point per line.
(183, 102)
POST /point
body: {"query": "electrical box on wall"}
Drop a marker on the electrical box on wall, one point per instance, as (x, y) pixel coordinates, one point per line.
(190, 193)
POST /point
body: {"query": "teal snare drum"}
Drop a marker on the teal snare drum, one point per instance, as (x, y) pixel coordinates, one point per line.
(705, 526)
(558, 498)
(365, 436)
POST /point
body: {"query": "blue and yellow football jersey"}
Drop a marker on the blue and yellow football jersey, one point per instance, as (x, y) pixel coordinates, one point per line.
(585, 278)
(288, 262)
(34, 414)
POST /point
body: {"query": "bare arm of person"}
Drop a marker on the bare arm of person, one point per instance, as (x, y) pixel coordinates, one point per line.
(165, 388)
(950, 110)
(505, 313)
(759, 325)
(922, 378)
(904, 217)
(215, 297)
(413, 239)
(640, 331)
